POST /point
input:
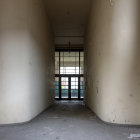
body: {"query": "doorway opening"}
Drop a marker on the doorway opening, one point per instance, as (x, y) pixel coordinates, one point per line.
(69, 74)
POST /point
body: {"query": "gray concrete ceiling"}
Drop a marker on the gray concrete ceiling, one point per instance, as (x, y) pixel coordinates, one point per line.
(69, 19)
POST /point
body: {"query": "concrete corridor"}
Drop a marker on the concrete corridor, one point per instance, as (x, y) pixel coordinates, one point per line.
(66, 120)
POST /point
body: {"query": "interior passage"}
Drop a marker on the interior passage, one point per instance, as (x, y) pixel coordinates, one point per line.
(67, 120)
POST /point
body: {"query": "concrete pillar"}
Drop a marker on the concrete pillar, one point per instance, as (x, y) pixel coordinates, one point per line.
(112, 56)
(26, 60)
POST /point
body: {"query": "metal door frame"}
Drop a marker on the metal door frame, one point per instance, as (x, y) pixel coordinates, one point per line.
(69, 86)
(69, 75)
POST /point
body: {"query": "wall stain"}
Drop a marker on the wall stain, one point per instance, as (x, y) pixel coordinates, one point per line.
(111, 2)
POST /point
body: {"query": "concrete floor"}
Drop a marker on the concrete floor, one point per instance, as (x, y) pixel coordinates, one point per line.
(67, 121)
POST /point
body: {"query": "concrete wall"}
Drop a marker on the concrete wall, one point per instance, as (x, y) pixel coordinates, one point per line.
(26, 60)
(112, 61)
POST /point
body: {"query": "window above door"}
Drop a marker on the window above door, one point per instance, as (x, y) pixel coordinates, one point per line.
(69, 62)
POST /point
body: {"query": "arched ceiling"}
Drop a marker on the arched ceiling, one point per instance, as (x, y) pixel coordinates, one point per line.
(68, 19)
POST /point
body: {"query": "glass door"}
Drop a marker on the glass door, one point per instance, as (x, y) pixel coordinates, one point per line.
(74, 87)
(69, 87)
(64, 87)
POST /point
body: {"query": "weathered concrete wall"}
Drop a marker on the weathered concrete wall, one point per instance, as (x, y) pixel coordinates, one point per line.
(112, 61)
(26, 60)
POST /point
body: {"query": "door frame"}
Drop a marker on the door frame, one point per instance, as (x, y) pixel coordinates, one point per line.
(69, 86)
(59, 50)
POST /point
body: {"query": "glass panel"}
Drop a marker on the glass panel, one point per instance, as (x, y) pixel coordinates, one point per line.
(74, 79)
(56, 65)
(61, 61)
(74, 83)
(69, 70)
(66, 54)
(74, 93)
(81, 93)
(72, 54)
(82, 78)
(56, 87)
(56, 94)
(61, 53)
(65, 83)
(69, 62)
(64, 93)
(82, 63)
(57, 54)
(64, 79)
(74, 87)
(81, 53)
(81, 71)
(82, 87)
(77, 54)
(81, 59)
(56, 71)
(64, 87)
(57, 59)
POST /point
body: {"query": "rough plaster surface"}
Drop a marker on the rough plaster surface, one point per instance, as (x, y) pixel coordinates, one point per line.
(26, 60)
(66, 121)
(112, 61)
